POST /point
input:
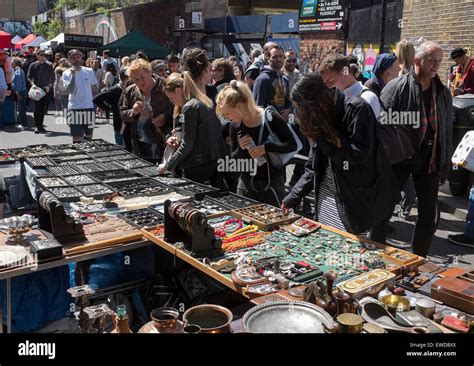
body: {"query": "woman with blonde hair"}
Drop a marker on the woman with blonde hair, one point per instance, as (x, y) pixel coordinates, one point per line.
(125, 62)
(200, 143)
(405, 53)
(145, 111)
(250, 129)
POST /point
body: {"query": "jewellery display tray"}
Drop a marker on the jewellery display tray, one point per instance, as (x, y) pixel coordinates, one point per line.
(97, 167)
(233, 201)
(39, 162)
(65, 194)
(142, 218)
(133, 163)
(63, 170)
(79, 179)
(147, 171)
(7, 157)
(95, 190)
(197, 190)
(207, 206)
(110, 153)
(114, 175)
(139, 187)
(254, 214)
(51, 181)
(42, 150)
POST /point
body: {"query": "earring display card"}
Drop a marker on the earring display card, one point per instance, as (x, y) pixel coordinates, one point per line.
(48, 182)
(97, 191)
(6, 157)
(143, 218)
(66, 194)
(266, 216)
(62, 170)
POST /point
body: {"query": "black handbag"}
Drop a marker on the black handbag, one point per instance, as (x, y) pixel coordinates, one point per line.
(396, 142)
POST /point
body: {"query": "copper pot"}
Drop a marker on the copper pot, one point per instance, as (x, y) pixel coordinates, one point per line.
(165, 319)
(211, 318)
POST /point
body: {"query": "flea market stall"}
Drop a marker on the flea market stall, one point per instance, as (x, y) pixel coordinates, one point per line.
(96, 199)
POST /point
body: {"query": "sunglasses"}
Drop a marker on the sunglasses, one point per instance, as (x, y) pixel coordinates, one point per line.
(292, 60)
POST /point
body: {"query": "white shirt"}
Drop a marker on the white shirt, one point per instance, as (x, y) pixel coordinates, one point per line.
(81, 97)
(369, 96)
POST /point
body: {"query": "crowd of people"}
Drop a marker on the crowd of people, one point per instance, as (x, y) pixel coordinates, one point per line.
(187, 113)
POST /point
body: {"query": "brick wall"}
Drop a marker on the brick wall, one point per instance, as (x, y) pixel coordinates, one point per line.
(314, 47)
(447, 22)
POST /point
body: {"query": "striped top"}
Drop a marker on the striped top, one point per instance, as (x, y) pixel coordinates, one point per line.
(326, 208)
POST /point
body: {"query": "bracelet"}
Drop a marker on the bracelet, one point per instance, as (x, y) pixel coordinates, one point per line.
(233, 221)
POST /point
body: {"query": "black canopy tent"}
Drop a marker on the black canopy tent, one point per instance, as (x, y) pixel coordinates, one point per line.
(133, 42)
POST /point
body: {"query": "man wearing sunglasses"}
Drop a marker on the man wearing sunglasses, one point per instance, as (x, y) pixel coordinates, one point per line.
(289, 69)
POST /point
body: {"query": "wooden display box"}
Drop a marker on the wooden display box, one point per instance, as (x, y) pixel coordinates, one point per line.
(457, 292)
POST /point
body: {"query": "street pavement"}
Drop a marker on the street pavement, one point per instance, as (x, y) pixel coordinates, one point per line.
(442, 251)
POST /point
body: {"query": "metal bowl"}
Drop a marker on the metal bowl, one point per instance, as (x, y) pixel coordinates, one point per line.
(287, 317)
(211, 318)
(394, 303)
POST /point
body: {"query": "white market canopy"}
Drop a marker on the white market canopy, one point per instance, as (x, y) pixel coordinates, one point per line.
(59, 39)
(35, 43)
(16, 39)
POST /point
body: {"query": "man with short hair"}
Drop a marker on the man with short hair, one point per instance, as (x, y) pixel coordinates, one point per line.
(466, 65)
(290, 70)
(106, 59)
(159, 68)
(335, 71)
(172, 62)
(222, 73)
(252, 73)
(422, 93)
(271, 86)
(41, 75)
(386, 68)
(81, 84)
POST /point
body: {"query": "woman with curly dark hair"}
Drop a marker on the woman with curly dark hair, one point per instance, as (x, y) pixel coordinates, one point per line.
(351, 176)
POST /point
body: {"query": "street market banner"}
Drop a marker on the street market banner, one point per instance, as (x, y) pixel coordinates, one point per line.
(322, 15)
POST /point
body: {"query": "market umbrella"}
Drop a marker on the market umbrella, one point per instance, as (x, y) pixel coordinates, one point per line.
(36, 42)
(133, 42)
(28, 39)
(5, 40)
(59, 39)
(16, 39)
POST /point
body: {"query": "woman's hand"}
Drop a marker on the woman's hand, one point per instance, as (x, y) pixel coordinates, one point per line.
(285, 208)
(172, 142)
(159, 121)
(161, 168)
(137, 108)
(244, 141)
(257, 151)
